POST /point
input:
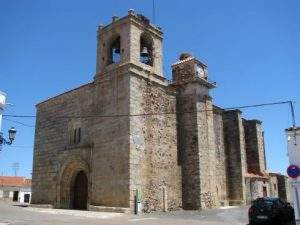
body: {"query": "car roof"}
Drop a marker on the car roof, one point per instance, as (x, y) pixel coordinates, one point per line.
(267, 199)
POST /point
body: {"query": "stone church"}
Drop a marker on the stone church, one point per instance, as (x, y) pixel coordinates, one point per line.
(131, 135)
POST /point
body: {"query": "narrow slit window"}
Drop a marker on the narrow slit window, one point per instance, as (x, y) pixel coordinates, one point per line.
(74, 136)
(78, 135)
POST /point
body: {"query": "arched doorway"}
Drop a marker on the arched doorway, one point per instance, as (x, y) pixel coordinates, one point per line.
(74, 174)
(80, 191)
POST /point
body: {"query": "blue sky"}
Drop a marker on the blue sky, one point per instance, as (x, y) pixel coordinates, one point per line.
(252, 49)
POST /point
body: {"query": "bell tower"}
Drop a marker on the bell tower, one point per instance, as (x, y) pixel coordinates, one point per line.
(130, 41)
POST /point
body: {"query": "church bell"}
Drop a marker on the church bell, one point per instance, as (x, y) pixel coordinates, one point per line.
(117, 50)
(144, 52)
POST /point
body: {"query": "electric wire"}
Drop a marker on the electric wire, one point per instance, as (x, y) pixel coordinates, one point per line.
(142, 114)
(152, 114)
(18, 122)
(18, 146)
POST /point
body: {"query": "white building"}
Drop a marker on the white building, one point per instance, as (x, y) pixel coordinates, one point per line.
(2, 104)
(293, 137)
(17, 189)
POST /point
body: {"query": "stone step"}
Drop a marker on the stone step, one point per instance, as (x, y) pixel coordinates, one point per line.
(108, 209)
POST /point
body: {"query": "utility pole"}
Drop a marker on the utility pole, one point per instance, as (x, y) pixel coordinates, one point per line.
(293, 121)
(293, 113)
(15, 167)
(293, 135)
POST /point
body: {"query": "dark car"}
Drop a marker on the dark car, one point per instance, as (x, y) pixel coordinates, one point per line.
(271, 211)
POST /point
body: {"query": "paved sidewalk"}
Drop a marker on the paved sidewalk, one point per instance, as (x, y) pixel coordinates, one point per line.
(14, 215)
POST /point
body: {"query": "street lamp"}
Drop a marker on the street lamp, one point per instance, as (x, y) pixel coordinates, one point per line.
(11, 136)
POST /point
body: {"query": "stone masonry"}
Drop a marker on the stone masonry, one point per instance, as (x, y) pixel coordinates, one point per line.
(254, 146)
(236, 156)
(131, 136)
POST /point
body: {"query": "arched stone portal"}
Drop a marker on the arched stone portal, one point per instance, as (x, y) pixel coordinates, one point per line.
(73, 186)
(80, 191)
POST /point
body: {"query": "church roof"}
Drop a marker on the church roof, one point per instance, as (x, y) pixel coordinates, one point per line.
(66, 92)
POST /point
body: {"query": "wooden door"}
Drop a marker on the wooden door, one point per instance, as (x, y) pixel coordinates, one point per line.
(80, 191)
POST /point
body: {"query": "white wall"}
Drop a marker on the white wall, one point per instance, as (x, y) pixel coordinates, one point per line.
(22, 192)
(11, 194)
(293, 144)
(22, 195)
(294, 147)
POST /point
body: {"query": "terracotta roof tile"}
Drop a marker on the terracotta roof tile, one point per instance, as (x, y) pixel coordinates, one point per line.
(15, 181)
(260, 175)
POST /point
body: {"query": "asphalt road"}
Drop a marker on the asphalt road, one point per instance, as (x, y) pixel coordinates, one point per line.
(15, 215)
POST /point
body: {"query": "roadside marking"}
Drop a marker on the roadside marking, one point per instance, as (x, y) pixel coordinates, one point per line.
(4, 223)
(140, 219)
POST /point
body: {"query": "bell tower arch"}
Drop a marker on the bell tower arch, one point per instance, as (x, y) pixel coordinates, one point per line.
(129, 40)
(114, 54)
(146, 49)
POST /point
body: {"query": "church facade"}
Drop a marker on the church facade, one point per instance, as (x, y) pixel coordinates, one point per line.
(132, 135)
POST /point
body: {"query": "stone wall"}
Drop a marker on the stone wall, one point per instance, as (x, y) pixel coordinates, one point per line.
(284, 187)
(188, 152)
(236, 156)
(154, 169)
(197, 147)
(273, 185)
(255, 151)
(248, 191)
(221, 166)
(207, 148)
(256, 188)
(110, 175)
(103, 152)
(52, 148)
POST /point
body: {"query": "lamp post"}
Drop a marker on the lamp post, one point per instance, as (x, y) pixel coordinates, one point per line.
(11, 137)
